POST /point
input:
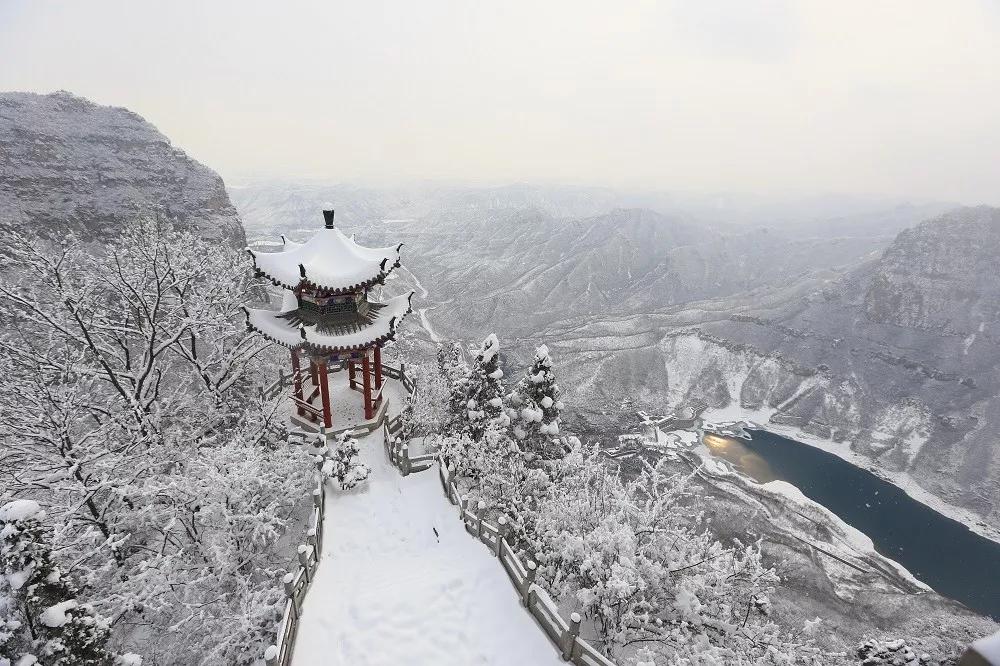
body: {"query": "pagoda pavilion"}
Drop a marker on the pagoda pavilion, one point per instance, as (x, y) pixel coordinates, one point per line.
(326, 318)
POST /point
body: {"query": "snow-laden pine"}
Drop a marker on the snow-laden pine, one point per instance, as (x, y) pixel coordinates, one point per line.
(535, 408)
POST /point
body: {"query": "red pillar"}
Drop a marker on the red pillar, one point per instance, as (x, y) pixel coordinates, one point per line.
(297, 381)
(366, 378)
(312, 373)
(324, 391)
(350, 374)
(378, 376)
(378, 367)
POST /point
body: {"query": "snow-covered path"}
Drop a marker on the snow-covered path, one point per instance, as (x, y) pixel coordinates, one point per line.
(388, 591)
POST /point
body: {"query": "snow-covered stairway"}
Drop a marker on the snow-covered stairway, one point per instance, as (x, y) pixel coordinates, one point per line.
(389, 590)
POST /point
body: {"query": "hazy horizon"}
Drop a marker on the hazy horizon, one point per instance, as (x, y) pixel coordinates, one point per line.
(897, 100)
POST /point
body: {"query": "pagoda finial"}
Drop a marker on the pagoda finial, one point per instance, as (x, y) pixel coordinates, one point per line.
(328, 216)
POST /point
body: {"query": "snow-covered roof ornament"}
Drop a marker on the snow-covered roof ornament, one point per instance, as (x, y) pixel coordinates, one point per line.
(329, 260)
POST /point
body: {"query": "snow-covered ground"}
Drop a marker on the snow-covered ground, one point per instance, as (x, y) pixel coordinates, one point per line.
(389, 590)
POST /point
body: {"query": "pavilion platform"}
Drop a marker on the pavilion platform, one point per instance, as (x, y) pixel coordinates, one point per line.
(347, 406)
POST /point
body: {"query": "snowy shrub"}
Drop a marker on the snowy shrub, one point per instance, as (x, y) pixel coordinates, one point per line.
(342, 465)
(427, 412)
(40, 609)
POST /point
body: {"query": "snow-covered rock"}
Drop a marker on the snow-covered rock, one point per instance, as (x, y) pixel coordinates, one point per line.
(20, 510)
(57, 615)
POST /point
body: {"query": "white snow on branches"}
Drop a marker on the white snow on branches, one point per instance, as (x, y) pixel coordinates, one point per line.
(57, 615)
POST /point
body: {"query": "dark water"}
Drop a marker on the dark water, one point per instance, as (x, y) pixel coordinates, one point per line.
(941, 552)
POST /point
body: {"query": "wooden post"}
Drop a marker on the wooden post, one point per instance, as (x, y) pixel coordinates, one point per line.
(303, 552)
(312, 373)
(351, 374)
(378, 369)
(366, 380)
(568, 640)
(502, 533)
(324, 390)
(530, 569)
(297, 381)
(480, 510)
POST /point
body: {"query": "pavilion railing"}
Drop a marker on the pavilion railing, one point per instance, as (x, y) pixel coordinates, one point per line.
(297, 582)
(397, 450)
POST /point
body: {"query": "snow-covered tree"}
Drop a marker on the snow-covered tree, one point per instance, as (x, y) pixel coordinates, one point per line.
(535, 408)
(341, 464)
(646, 571)
(484, 405)
(41, 611)
(456, 375)
(129, 408)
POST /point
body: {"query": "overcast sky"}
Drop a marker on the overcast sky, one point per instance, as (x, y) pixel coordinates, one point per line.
(770, 97)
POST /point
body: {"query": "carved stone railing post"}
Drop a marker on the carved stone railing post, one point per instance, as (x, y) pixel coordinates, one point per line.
(303, 552)
(568, 639)
(529, 578)
(504, 530)
(463, 502)
(405, 459)
(271, 655)
(480, 510)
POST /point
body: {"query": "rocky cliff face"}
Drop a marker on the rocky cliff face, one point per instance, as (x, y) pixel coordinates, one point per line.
(69, 164)
(943, 275)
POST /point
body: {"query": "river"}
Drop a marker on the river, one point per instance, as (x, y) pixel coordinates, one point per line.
(952, 559)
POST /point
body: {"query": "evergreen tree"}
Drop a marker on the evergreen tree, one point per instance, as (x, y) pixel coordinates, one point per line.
(456, 375)
(536, 408)
(485, 390)
(40, 614)
(342, 464)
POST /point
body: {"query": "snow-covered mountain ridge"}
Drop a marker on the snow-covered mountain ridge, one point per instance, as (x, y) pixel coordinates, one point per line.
(883, 345)
(69, 164)
(893, 363)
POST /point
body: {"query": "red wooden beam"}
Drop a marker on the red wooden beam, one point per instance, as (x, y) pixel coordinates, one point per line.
(366, 378)
(297, 380)
(324, 389)
(378, 376)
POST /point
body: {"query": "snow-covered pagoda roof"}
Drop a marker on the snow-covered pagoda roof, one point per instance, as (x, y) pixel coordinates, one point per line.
(329, 260)
(293, 327)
